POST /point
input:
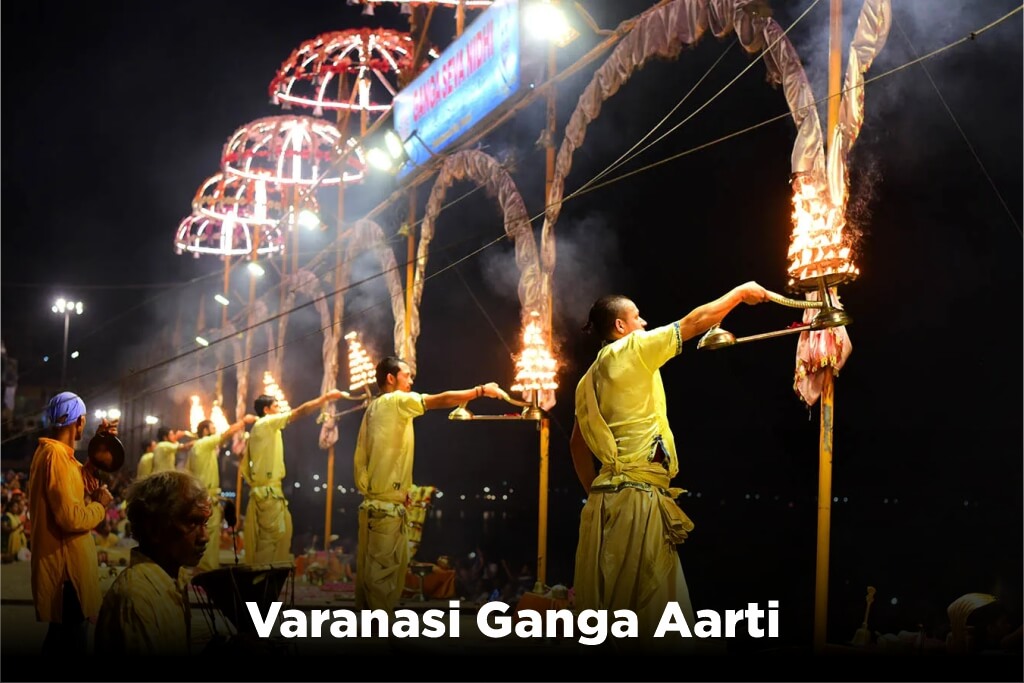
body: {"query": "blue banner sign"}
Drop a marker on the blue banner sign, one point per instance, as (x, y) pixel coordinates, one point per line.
(471, 79)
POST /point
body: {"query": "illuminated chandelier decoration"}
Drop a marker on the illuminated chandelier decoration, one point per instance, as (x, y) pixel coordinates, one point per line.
(362, 372)
(229, 214)
(375, 57)
(408, 5)
(292, 150)
(535, 366)
(270, 388)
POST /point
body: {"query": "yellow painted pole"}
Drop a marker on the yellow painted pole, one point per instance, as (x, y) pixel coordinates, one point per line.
(542, 517)
(545, 424)
(460, 18)
(835, 37)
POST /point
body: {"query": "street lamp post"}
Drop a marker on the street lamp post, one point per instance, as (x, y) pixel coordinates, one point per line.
(64, 307)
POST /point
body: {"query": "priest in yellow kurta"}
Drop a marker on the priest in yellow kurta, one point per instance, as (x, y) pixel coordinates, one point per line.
(383, 475)
(202, 461)
(626, 555)
(268, 523)
(165, 454)
(145, 467)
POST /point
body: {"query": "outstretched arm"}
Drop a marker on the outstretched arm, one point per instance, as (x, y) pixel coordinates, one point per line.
(700, 319)
(237, 427)
(311, 405)
(582, 458)
(450, 399)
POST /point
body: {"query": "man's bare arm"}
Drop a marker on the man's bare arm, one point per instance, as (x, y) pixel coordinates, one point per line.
(582, 458)
(450, 399)
(311, 405)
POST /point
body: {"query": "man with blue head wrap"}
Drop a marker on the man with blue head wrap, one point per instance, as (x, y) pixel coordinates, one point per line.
(65, 577)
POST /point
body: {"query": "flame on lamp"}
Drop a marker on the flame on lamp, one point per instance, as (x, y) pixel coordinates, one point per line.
(271, 389)
(220, 422)
(535, 366)
(361, 370)
(818, 246)
(196, 414)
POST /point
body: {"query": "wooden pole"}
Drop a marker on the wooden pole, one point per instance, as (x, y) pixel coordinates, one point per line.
(338, 298)
(545, 423)
(219, 389)
(460, 18)
(336, 333)
(410, 254)
(247, 349)
(835, 37)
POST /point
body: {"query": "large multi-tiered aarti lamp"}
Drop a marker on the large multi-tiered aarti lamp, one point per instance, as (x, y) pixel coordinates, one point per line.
(820, 258)
(536, 369)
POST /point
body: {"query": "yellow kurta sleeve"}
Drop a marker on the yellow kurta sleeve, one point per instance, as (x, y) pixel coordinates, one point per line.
(69, 509)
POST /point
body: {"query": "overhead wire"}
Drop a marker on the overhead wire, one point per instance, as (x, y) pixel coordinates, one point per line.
(585, 189)
(960, 129)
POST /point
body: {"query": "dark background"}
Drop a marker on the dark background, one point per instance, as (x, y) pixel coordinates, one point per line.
(116, 112)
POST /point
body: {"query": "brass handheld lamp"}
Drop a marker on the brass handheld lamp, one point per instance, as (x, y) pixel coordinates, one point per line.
(829, 316)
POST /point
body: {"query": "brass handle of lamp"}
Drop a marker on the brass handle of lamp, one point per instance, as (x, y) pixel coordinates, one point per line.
(508, 399)
(530, 412)
(793, 303)
(322, 417)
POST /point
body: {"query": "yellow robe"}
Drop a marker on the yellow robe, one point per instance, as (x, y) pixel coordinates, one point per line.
(202, 462)
(17, 539)
(268, 522)
(383, 474)
(145, 466)
(165, 456)
(145, 612)
(62, 524)
(626, 556)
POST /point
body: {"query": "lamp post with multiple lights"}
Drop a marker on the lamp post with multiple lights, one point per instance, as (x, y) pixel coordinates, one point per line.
(64, 307)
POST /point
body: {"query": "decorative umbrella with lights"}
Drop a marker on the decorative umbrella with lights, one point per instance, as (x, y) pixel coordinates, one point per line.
(376, 59)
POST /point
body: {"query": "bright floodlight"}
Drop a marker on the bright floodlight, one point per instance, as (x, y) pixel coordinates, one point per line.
(152, 420)
(547, 21)
(202, 342)
(379, 159)
(74, 354)
(114, 414)
(100, 414)
(394, 144)
(308, 219)
(221, 299)
(62, 305)
(255, 268)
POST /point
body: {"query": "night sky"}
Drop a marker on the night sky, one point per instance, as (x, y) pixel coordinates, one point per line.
(116, 112)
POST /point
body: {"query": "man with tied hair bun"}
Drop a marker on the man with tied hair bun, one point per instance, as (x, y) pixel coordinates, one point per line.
(146, 610)
(383, 465)
(268, 522)
(626, 555)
